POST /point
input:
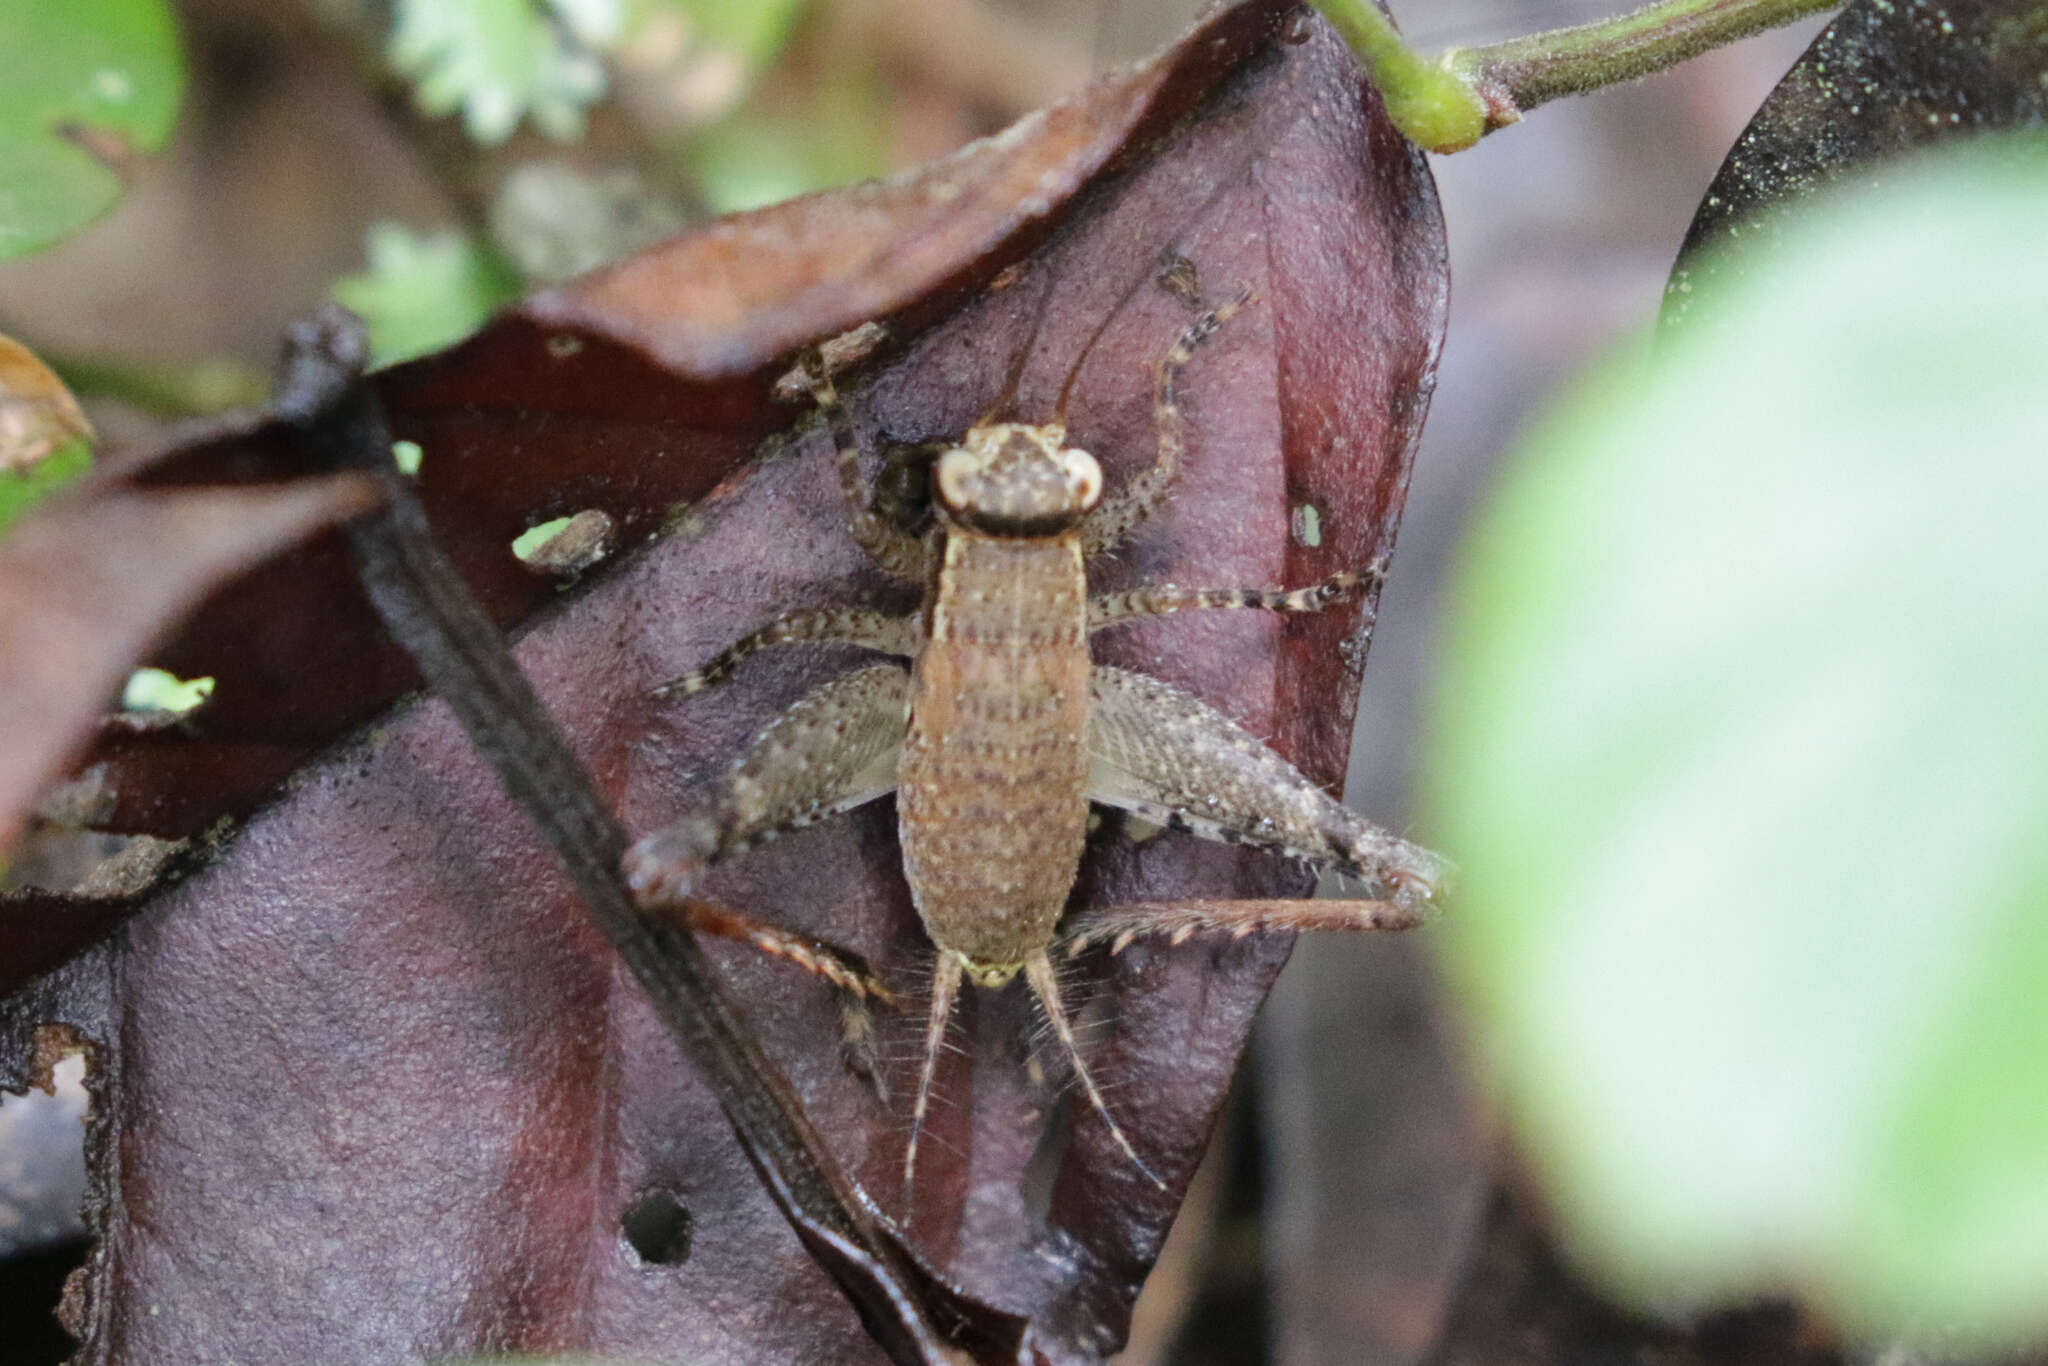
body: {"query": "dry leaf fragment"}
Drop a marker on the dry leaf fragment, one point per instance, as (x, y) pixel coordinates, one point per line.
(37, 413)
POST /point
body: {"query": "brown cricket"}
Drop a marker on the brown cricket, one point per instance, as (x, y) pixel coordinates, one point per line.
(1002, 731)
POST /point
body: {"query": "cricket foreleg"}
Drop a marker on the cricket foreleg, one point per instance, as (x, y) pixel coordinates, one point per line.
(839, 625)
(1117, 516)
(833, 750)
(1164, 599)
(1174, 759)
(895, 550)
(1180, 921)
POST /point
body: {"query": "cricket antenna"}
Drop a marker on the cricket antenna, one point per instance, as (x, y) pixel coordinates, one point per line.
(1006, 401)
(945, 990)
(1038, 972)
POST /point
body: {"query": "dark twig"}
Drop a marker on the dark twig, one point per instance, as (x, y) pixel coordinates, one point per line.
(429, 611)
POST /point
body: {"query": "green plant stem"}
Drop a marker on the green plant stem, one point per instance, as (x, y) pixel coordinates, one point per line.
(1570, 61)
(1435, 107)
(1449, 103)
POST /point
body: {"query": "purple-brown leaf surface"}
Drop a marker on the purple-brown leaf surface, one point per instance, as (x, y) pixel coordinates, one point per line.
(373, 1089)
(89, 581)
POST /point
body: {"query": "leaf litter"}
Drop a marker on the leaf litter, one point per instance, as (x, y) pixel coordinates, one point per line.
(378, 1028)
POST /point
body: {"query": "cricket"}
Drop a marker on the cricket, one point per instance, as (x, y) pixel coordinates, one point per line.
(996, 732)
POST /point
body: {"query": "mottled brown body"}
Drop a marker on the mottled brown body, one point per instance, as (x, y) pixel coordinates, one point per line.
(992, 792)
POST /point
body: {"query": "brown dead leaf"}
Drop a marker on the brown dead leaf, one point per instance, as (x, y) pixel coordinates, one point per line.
(88, 581)
(378, 1090)
(37, 413)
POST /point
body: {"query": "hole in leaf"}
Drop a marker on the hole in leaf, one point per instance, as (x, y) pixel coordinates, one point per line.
(42, 1187)
(658, 1229)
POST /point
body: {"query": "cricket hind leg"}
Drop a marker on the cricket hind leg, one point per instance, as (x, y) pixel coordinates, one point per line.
(1165, 599)
(837, 625)
(1119, 514)
(834, 750)
(892, 548)
(1179, 921)
(843, 969)
(1171, 757)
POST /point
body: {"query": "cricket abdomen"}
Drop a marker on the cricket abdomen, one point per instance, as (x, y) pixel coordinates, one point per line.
(992, 799)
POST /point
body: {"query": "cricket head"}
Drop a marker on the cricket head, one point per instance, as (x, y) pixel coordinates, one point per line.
(1009, 479)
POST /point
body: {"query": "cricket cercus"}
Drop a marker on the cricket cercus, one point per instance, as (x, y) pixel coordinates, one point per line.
(1001, 731)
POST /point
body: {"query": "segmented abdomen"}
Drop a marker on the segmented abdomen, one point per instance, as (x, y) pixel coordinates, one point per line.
(992, 801)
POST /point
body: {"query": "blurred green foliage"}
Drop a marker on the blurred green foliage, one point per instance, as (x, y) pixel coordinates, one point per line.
(749, 33)
(424, 291)
(498, 61)
(1743, 745)
(755, 158)
(23, 488)
(84, 84)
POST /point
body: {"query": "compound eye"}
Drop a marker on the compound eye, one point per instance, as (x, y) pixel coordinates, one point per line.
(1084, 476)
(955, 474)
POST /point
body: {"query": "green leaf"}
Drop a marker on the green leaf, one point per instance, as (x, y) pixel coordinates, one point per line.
(424, 291)
(500, 60)
(84, 85)
(1743, 745)
(762, 156)
(21, 489)
(744, 33)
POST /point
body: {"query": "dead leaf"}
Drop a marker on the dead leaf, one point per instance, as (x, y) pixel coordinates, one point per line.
(380, 1031)
(87, 582)
(1881, 80)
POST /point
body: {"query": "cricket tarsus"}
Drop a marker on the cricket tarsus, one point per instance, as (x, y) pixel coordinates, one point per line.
(1004, 730)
